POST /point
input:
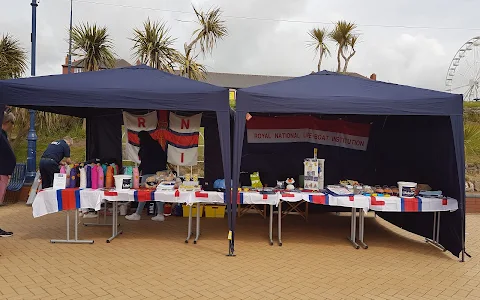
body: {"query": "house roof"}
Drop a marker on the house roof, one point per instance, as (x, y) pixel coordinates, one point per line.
(227, 80)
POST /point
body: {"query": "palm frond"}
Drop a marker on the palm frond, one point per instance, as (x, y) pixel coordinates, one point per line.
(94, 45)
(318, 39)
(153, 45)
(13, 58)
(190, 68)
(212, 28)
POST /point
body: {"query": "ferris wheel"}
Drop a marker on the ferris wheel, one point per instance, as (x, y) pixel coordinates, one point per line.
(463, 75)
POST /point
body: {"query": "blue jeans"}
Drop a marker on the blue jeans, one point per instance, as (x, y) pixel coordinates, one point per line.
(141, 205)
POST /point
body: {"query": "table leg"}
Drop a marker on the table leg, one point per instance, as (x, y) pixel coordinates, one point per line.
(361, 229)
(189, 233)
(115, 231)
(353, 228)
(270, 226)
(280, 223)
(435, 241)
(197, 235)
(98, 218)
(68, 240)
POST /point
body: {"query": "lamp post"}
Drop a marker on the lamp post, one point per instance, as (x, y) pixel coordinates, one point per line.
(70, 39)
(32, 135)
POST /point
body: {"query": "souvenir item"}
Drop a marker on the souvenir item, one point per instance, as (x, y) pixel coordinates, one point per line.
(313, 173)
(88, 171)
(255, 179)
(94, 177)
(63, 170)
(101, 177)
(290, 183)
(109, 178)
(68, 170)
(73, 178)
(83, 178)
(136, 178)
(280, 185)
(387, 190)
(151, 182)
(339, 190)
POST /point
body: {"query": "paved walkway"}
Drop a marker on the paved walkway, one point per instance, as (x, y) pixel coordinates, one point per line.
(151, 261)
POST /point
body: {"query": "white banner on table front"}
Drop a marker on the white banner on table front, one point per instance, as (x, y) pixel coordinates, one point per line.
(182, 156)
(308, 129)
(183, 124)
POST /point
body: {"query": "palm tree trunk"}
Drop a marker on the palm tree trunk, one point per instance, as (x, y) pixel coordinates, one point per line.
(347, 60)
(319, 67)
(339, 63)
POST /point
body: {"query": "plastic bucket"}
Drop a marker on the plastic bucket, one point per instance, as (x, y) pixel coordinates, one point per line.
(406, 189)
(122, 182)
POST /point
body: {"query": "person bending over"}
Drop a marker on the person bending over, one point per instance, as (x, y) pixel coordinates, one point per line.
(7, 160)
(58, 152)
(152, 159)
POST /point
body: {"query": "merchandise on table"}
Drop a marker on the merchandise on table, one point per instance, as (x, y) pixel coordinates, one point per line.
(255, 180)
(314, 173)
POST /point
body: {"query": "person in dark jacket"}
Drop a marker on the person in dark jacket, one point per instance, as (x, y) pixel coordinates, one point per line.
(58, 152)
(152, 159)
(7, 160)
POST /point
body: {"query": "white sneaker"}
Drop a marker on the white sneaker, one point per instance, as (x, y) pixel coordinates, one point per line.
(133, 217)
(159, 218)
(89, 215)
(80, 213)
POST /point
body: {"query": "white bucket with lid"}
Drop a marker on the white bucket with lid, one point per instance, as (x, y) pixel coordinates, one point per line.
(406, 189)
(122, 182)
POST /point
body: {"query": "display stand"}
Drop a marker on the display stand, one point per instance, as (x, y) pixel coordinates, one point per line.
(104, 218)
(361, 229)
(353, 229)
(294, 208)
(435, 240)
(75, 240)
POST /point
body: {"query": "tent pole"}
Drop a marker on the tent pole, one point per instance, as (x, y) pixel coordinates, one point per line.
(32, 135)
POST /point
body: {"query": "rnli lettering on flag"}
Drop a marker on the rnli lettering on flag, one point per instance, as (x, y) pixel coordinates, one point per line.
(182, 139)
(133, 125)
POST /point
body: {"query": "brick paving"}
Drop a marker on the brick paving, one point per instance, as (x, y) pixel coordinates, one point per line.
(151, 261)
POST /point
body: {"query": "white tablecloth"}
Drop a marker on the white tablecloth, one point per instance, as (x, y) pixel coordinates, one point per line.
(418, 204)
(175, 196)
(51, 201)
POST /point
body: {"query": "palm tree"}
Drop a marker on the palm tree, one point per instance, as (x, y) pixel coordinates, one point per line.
(13, 58)
(351, 44)
(94, 45)
(191, 69)
(318, 43)
(343, 34)
(154, 46)
(212, 28)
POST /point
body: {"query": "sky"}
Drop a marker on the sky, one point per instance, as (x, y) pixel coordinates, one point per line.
(407, 42)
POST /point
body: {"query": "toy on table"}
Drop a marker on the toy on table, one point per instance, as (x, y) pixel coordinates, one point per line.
(290, 182)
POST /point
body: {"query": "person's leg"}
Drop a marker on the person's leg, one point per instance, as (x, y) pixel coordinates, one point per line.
(159, 217)
(3, 186)
(3, 190)
(140, 207)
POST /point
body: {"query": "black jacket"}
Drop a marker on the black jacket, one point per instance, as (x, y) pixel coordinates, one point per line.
(152, 156)
(7, 157)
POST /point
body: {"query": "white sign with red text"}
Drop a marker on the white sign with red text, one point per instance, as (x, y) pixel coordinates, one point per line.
(308, 129)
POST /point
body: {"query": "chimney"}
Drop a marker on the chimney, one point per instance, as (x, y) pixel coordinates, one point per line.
(66, 60)
(373, 76)
(138, 62)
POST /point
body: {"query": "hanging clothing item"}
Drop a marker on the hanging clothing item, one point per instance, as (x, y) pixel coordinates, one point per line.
(68, 171)
(101, 177)
(88, 170)
(109, 178)
(63, 170)
(136, 178)
(83, 178)
(104, 167)
(94, 177)
(73, 178)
